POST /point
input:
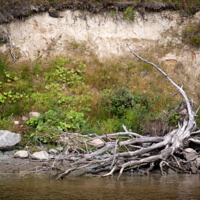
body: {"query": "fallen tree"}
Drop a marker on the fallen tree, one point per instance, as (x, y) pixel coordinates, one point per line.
(119, 152)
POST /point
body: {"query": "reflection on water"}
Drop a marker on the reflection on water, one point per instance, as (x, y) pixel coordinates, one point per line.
(130, 187)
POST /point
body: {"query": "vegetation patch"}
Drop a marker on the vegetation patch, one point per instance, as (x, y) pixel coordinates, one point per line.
(76, 95)
(191, 35)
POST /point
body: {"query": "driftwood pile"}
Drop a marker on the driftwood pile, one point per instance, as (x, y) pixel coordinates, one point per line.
(128, 151)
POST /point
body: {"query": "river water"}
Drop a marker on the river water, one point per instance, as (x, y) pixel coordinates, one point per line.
(130, 187)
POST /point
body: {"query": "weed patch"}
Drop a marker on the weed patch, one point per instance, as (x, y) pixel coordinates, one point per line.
(81, 96)
(191, 35)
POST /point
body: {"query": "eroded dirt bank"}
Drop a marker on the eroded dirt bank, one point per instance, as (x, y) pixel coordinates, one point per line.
(13, 9)
(83, 28)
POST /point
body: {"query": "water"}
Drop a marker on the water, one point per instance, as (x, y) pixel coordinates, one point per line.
(130, 187)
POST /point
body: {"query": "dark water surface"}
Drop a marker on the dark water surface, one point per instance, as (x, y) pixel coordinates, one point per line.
(130, 187)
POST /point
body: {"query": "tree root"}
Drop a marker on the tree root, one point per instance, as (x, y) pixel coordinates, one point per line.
(109, 158)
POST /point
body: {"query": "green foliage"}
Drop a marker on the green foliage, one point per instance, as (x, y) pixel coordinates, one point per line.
(70, 75)
(42, 101)
(126, 108)
(198, 118)
(173, 119)
(2, 67)
(48, 122)
(68, 94)
(44, 91)
(9, 77)
(112, 12)
(10, 97)
(56, 118)
(129, 14)
(1, 42)
(191, 35)
(6, 122)
(116, 103)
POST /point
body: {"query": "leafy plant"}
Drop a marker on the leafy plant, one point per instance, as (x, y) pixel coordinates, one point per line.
(173, 119)
(129, 14)
(117, 102)
(126, 108)
(48, 122)
(68, 74)
(10, 97)
(56, 118)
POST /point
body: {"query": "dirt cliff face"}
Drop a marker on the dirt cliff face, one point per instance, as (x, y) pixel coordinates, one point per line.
(32, 31)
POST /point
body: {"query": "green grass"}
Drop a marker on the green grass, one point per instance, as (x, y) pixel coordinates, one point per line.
(82, 96)
(191, 35)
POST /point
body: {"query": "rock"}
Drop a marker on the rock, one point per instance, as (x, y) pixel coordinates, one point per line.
(101, 157)
(24, 118)
(190, 154)
(40, 155)
(73, 159)
(16, 122)
(144, 73)
(79, 172)
(53, 151)
(171, 171)
(197, 162)
(54, 13)
(189, 150)
(9, 153)
(145, 145)
(34, 114)
(21, 154)
(63, 140)
(9, 140)
(52, 156)
(193, 168)
(97, 143)
(184, 112)
(59, 148)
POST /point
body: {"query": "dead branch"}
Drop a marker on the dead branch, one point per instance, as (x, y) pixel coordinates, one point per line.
(110, 157)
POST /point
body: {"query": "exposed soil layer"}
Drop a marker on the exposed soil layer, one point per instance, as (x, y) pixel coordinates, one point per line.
(14, 9)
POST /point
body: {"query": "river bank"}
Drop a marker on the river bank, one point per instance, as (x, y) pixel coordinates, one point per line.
(9, 164)
(52, 167)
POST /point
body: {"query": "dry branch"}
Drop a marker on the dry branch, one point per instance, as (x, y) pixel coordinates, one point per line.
(110, 158)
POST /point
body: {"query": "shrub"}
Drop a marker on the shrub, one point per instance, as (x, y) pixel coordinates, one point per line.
(6, 122)
(172, 120)
(58, 119)
(49, 124)
(117, 102)
(126, 108)
(129, 14)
